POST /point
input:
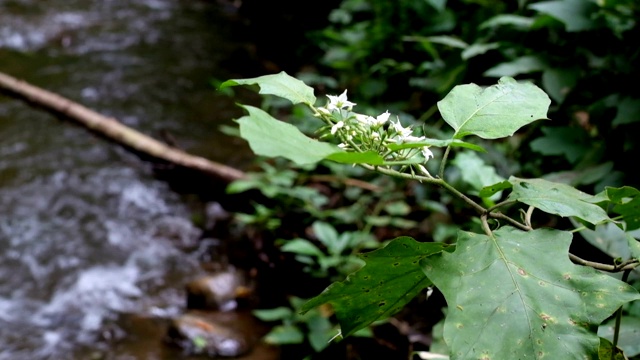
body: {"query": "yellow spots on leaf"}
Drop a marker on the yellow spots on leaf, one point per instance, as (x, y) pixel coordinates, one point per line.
(566, 276)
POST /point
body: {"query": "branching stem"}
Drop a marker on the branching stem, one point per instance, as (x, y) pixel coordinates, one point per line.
(624, 266)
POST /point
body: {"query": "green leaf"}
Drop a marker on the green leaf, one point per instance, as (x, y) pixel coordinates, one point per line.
(320, 332)
(634, 247)
(609, 238)
(605, 350)
(628, 111)
(398, 208)
(558, 82)
(284, 334)
(494, 112)
(522, 65)
(391, 278)
(556, 198)
(628, 336)
(477, 49)
(627, 204)
(268, 136)
(437, 143)
(279, 313)
(439, 5)
(582, 176)
(281, 85)
(517, 21)
(561, 140)
(302, 247)
(575, 14)
(368, 157)
(475, 171)
(516, 295)
(488, 191)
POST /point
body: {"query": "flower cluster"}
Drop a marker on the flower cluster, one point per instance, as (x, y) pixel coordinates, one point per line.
(359, 132)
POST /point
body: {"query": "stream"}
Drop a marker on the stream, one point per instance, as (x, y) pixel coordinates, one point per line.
(87, 233)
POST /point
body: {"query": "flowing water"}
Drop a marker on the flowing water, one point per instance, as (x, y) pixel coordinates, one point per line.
(86, 231)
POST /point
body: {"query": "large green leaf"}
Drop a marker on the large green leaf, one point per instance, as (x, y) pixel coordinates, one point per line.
(569, 142)
(494, 112)
(280, 84)
(516, 295)
(627, 204)
(577, 15)
(268, 136)
(556, 198)
(391, 278)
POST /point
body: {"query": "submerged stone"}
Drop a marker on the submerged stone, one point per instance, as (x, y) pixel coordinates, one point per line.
(198, 335)
(217, 291)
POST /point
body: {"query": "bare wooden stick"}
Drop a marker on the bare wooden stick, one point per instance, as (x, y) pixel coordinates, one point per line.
(115, 130)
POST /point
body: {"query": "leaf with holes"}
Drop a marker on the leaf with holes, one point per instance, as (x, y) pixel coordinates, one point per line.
(494, 112)
(516, 295)
(556, 198)
(391, 277)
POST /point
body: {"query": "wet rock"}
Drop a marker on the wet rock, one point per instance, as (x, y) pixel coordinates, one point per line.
(197, 334)
(218, 291)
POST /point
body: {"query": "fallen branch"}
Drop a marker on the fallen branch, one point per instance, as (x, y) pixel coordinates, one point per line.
(115, 130)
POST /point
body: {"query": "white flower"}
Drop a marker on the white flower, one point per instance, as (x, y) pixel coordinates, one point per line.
(381, 119)
(364, 119)
(403, 132)
(412, 139)
(337, 126)
(374, 122)
(339, 102)
(322, 111)
(427, 154)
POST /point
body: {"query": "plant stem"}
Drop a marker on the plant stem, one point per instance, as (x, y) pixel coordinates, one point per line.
(440, 182)
(625, 266)
(616, 331)
(499, 215)
(500, 204)
(444, 161)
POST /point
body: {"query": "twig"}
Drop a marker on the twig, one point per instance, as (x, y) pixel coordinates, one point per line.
(624, 266)
(347, 181)
(114, 130)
